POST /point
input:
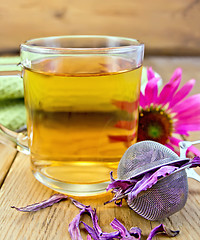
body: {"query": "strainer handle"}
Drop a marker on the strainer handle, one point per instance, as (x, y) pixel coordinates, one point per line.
(184, 145)
(192, 174)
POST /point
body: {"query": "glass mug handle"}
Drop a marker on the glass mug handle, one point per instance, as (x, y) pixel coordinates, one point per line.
(17, 140)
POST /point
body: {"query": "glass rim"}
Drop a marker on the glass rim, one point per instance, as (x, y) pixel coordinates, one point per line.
(134, 45)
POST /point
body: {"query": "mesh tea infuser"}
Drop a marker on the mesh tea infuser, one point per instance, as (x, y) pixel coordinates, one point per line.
(170, 193)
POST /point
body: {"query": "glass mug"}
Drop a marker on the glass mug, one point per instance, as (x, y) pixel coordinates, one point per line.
(81, 95)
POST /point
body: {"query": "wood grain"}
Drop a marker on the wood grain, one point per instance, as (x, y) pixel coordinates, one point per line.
(165, 66)
(7, 156)
(20, 188)
(171, 28)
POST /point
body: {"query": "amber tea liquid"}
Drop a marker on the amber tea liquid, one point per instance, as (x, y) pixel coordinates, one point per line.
(82, 115)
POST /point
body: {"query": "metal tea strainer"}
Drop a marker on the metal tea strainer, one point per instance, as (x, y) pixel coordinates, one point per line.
(170, 193)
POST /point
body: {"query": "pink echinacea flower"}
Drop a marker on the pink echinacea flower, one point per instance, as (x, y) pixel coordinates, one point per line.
(170, 112)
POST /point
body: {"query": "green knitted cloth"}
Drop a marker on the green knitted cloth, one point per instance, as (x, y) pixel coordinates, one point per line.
(12, 113)
(11, 87)
(12, 110)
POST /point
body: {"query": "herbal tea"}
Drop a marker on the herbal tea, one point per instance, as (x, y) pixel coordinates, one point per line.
(82, 115)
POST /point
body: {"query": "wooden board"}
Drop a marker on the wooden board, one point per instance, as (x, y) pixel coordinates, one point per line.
(165, 28)
(20, 188)
(7, 156)
(165, 66)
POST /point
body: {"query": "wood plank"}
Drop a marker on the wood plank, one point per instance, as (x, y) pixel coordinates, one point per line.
(165, 66)
(171, 28)
(7, 156)
(21, 188)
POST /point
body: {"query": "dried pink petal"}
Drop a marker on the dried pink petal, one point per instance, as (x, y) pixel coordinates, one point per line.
(162, 229)
(73, 229)
(44, 204)
(91, 231)
(101, 235)
(122, 184)
(133, 186)
(96, 232)
(133, 234)
(195, 161)
(89, 237)
(120, 187)
(136, 232)
(149, 180)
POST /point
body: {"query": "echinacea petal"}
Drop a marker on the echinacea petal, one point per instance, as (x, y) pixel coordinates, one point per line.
(136, 232)
(192, 102)
(170, 88)
(181, 132)
(176, 75)
(133, 234)
(167, 93)
(189, 114)
(149, 180)
(195, 161)
(143, 101)
(95, 221)
(74, 229)
(117, 225)
(150, 73)
(188, 121)
(44, 204)
(182, 93)
(192, 118)
(180, 113)
(162, 229)
(90, 231)
(122, 184)
(110, 236)
(188, 127)
(175, 141)
(89, 237)
(151, 91)
(92, 212)
(95, 232)
(169, 146)
(194, 150)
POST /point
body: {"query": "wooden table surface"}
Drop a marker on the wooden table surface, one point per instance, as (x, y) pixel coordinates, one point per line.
(19, 187)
